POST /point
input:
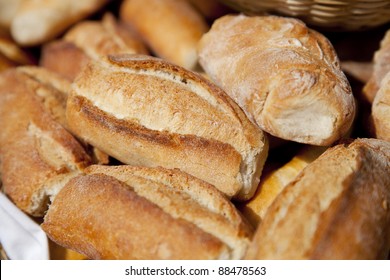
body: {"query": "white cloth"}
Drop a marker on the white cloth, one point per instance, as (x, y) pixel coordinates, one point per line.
(21, 237)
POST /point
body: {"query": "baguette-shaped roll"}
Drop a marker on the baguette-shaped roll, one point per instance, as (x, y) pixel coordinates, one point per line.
(274, 182)
(171, 28)
(381, 63)
(381, 110)
(285, 76)
(38, 21)
(337, 208)
(89, 40)
(37, 154)
(147, 112)
(125, 212)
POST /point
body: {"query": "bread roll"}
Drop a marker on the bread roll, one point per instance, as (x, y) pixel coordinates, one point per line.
(37, 155)
(285, 76)
(63, 58)
(147, 112)
(337, 208)
(275, 181)
(124, 212)
(381, 110)
(381, 68)
(171, 28)
(39, 21)
(89, 40)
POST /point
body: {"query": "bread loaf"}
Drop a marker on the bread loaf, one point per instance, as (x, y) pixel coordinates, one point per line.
(171, 28)
(37, 154)
(89, 40)
(147, 112)
(39, 21)
(125, 212)
(337, 208)
(285, 76)
(381, 110)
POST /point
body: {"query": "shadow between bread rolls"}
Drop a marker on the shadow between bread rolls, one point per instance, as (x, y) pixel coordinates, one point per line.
(145, 111)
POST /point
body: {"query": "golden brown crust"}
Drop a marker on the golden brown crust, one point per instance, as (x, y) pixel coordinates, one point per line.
(285, 76)
(63, 58)
(89, 40)
(39, 21)
(37, 154)
(124, 212)
(274, 182)
(337, 208)
(197, 129)
(381, 110)
(381, 67)
(171, 28)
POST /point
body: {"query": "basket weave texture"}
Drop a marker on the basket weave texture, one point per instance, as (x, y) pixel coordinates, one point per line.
(334, 14)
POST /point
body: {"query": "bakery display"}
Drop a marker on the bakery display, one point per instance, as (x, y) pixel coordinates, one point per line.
(182, 129)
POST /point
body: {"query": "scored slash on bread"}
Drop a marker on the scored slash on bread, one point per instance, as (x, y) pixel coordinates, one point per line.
(146, 111)
(126, 212)
(337, 208)
(37, 154)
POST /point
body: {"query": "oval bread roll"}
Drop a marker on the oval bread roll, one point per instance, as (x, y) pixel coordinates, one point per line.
(337, 208)
(171, 28)
(147, 112)
(39, 21)
(285, 76)
(125, 212)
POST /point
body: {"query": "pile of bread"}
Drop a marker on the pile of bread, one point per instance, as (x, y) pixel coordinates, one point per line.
(147, 133)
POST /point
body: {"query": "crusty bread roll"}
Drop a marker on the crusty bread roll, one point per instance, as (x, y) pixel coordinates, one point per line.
(37, 154)
(125, 212)
(337, 208)
(171, 28)
(39, 21)
(274, 182)
(145, 111)
(89, 40)
(285, 76)
(97, 38)
(63, 58)
(381, 68)
(381, 110)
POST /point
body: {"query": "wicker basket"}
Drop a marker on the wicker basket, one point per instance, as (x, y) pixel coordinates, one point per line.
(345, 15)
